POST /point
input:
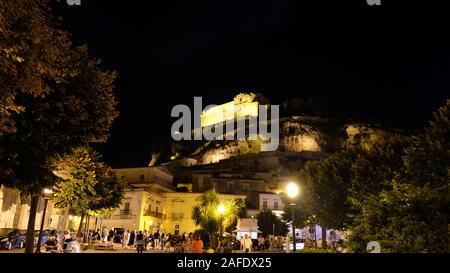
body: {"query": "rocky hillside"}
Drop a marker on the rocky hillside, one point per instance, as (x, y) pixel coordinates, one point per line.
(297, 134)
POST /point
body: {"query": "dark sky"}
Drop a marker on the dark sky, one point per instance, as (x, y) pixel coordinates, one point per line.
(390, 63)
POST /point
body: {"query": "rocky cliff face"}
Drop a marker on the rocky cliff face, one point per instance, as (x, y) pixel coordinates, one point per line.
(297, 134)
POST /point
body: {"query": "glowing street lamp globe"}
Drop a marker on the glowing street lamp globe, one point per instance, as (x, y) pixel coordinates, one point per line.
(292, 190)
(221, 209)
(47, 191)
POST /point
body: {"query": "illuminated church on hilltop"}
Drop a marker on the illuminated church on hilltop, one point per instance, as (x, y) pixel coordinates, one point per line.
(243, 105)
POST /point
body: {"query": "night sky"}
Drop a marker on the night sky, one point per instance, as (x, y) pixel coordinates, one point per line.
(389, 63)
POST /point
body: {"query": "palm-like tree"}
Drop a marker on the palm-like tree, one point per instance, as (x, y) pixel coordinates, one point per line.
(206, 214)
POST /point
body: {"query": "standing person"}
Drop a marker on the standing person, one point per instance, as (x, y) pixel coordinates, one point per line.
(105, 235)
(131, 241)
(111, 235)
(156, 239)
(139, 242)
(198, 244)
(96, 236)
(241, 243)
(247, 244)
(261, 242)
(188, 244)
(163, 240)
(125, 239)
(145, 239)
(220, 246)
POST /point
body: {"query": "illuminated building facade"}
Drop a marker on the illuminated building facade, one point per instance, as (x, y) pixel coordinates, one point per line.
(243, 105)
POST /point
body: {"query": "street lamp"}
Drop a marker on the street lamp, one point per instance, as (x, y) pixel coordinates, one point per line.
(292, 192)
(221, 210)
(46, 195)
(70, 223)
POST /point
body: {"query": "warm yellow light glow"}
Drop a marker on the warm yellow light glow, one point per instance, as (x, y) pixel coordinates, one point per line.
(48, 191)
(221, 209)
(242, 105)
(70, 217)
(150, 223)
(292, 190)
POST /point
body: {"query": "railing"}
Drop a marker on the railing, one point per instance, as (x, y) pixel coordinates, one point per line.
(155, 214)
(122, 214)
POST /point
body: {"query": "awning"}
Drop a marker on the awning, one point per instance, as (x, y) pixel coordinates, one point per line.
(247, 230)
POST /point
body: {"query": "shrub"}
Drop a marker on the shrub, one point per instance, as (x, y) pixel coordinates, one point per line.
(312, 250)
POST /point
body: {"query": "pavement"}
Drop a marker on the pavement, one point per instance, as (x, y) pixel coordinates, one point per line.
(117, 249)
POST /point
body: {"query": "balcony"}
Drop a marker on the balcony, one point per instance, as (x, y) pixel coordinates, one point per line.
(155, 214)
(122, 214)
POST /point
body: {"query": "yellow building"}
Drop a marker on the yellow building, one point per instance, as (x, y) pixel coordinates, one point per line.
(243, 105)
(151, 203)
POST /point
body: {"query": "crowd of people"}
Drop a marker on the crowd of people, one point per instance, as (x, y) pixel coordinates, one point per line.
(67, 244)
(143, 240)
(180, 243)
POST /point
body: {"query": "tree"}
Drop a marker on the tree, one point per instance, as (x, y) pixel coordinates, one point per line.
(77, 173)
(269, 223)
(373, 171)
(234, 210)
(206, 214)
(87, 186)
(79, 110)
(32, 53)
(326, 184)
(409, 212)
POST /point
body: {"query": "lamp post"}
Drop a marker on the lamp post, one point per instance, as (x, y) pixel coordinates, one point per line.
(292, 192)
(221, 210)
(46, 195)
(70, 222)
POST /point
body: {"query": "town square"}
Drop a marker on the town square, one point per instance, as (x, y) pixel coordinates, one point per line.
(258, 129)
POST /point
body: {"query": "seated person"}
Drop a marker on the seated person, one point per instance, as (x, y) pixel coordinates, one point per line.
(73, 246)
(52, 245)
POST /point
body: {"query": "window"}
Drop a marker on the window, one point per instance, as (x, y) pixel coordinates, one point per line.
(141, 178)
(264, 204)
(275, 205)
(230, 187)
(200, 184)
(126, 208)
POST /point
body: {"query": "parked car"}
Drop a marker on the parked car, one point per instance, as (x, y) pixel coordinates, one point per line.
(46, 234)
(12, 239)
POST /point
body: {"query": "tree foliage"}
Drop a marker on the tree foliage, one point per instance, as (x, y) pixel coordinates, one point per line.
(206, 214)
(389, 188)
(412, 214)
(32, 54)
(326, 183)
(54, 97)
(86, 184)
(269, 223)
